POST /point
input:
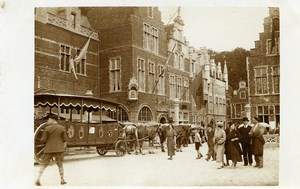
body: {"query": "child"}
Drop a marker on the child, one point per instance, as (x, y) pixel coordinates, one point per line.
(198, 144)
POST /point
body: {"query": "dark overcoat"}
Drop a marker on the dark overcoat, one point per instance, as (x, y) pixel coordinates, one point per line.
(257, 139)
(54, 137)
(233, 150)
(171, 134)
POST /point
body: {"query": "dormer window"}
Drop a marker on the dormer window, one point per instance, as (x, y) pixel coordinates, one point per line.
(150, 12)
(73, 19)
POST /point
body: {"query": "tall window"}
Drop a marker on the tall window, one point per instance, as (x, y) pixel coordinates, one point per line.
(186, 90)
(151, 78)
(141, 74)
(181, 62)
(81, 66)
(276, 74)
(145, 114)
(261, 80)
(150, 12)
(179, 87)
(65, 54)
(172, 87)
(73, 19)
(263, 113)
(150, 41)
(161, 80)
(115, 74)
(123, 116)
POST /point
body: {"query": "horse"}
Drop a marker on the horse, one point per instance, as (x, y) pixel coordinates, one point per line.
(182, 135)
(130, 134)
(147, 132)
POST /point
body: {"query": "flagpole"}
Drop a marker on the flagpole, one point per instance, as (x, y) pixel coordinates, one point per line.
(156, 82)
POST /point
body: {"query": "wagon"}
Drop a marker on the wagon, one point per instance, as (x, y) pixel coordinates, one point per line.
(88, 122)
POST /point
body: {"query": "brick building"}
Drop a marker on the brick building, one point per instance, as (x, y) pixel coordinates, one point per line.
(60, 33)
(132, 55)
(263, 67)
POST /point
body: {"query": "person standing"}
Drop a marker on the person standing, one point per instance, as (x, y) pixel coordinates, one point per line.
(256, 134)
(219, 138)
(210, 142)
(234, 151)
(198, 144)
(171, 137)
(54, 137)
(244, 130)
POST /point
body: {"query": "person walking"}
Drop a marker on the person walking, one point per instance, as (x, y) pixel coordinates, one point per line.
(210, 142)
(198, 143)
(234, 151)
(171, 137)
(219, 147)
(244, 130)
(256, 134)
(54, 137)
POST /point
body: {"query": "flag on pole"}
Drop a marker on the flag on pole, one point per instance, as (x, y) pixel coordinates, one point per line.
(74, 61)
(196, 88)
(163, 70)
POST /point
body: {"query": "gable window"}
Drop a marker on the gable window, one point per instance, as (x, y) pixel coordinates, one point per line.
(141, 74)
(275, 74)
(65, 53)
(73, 19)
(242, 95)
(115, 74)
(261, 80)
(179, 87)
(145, 114)
(150, 38)
(150, 12)
(81, 66)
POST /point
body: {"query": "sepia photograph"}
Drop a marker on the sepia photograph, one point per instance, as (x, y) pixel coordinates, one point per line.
(149, 94)
(156, 96)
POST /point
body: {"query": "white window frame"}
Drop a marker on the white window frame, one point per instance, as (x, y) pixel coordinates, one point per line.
(141, 70)
(262, 82)
(66, 56)
(273, 81)
(150, 38)
(115, 82)
(150, 12)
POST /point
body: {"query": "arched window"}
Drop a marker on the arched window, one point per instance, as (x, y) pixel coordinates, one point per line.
(123, 116)
(243, 95)
(145, 114)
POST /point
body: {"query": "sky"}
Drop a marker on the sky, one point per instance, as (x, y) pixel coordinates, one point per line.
(219, 28)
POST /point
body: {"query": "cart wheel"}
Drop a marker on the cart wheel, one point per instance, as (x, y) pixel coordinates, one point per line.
(101, 151)
(38, 145)
(120, 148)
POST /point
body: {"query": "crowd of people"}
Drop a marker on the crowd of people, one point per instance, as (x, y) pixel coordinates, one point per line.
(236, 143)
(232, 143)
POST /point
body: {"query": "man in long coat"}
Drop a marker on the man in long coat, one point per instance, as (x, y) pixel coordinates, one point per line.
(54, 137)
(244, 130)
(258, 141)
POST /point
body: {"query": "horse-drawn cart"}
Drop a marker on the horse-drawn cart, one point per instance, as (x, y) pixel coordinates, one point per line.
(85, 119)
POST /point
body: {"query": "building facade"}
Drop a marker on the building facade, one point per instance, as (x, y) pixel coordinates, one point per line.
(263, 67)
(60, 33)
(132, 58)
(238, 102)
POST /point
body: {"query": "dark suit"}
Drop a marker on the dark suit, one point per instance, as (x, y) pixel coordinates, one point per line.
(245, 141)
(258, 142)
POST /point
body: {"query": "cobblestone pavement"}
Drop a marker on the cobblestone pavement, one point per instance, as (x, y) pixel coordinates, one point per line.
(156, 170)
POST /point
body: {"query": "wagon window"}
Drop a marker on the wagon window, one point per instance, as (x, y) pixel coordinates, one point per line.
(123, 116)
(145, 114)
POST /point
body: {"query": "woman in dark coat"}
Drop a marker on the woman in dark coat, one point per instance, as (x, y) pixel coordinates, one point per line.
(234, 151)
(171, 135)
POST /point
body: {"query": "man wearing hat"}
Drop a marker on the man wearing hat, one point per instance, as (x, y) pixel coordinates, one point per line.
(244, 130)
(54, 137)
(256, 134)
(210, 142)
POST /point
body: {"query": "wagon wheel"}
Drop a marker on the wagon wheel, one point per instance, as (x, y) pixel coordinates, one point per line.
(120, 148)
(101, 151)
(38, 145)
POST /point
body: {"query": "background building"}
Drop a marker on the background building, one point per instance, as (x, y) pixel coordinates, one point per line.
(264, 73)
